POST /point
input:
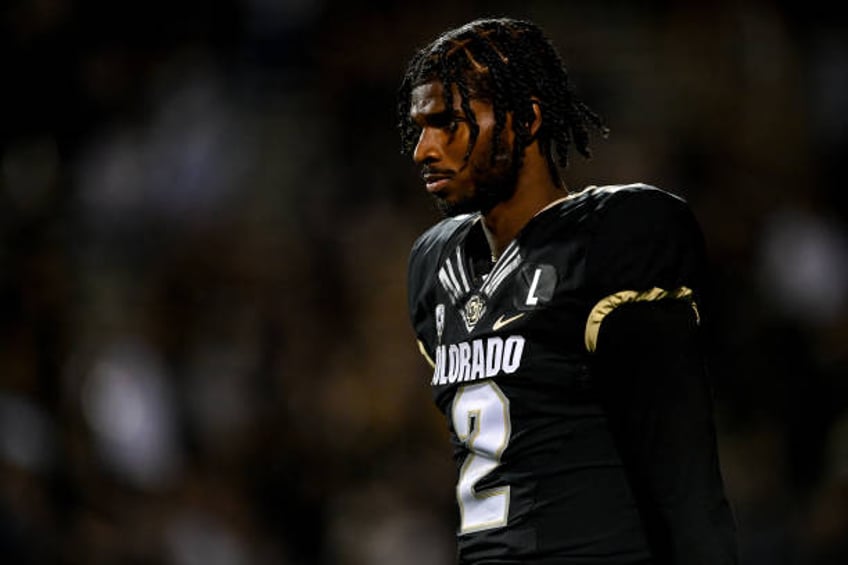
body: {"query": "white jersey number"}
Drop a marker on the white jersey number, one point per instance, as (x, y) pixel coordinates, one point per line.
(481, 421)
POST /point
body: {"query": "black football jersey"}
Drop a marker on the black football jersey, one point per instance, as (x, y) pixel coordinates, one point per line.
(511, 342)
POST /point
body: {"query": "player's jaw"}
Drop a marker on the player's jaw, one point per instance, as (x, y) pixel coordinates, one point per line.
(479, 186)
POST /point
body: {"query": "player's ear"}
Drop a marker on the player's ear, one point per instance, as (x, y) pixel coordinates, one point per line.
(533, 126)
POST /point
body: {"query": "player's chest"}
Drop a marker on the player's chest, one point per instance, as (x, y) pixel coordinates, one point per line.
(526, 284)
(525, 317)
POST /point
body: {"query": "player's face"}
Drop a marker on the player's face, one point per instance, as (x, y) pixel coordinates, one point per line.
(461, 185)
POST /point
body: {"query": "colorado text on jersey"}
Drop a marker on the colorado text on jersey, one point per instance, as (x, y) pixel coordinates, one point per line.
(477, 359)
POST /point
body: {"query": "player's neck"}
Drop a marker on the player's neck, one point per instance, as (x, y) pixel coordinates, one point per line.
(535, 191)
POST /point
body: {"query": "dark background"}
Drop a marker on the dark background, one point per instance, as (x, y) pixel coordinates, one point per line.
(204, 226)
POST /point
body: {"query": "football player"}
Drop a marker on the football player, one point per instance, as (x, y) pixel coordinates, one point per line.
(562, 328)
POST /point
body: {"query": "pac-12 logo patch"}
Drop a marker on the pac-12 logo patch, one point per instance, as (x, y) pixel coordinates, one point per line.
(440, 322)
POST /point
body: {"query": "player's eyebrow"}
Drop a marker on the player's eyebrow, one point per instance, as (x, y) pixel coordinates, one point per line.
(444, 116)
(438, 118)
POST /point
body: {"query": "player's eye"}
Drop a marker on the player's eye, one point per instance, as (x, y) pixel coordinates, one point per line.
(446, 121)
(454, 122)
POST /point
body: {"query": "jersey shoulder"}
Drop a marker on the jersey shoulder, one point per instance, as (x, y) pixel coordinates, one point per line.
(434, 239)
(425, 255)
(636, 199)
(429, 246)
(643, 237)
(628, 206)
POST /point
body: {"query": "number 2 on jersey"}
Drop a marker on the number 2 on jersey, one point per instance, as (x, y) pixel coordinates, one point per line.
(481, 421)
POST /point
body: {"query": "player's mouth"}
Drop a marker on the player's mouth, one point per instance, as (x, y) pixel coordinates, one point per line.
(435, 182)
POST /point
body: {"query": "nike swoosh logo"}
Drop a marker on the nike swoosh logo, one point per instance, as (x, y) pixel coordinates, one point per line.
(501, 322)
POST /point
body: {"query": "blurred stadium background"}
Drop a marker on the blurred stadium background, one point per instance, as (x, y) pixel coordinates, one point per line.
(205, 219)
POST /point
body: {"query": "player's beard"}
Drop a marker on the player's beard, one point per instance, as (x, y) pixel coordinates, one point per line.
(495, 181)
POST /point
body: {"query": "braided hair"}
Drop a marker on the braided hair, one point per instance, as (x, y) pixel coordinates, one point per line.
(511, 64)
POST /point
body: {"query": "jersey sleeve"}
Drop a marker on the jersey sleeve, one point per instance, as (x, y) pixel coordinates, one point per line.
(646, 247)
(658, 399)
(652, 379)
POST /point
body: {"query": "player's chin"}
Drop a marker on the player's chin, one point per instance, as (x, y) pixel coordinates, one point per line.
(455, 207)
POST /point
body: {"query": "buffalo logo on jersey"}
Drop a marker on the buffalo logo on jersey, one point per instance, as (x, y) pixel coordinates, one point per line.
(473, 310)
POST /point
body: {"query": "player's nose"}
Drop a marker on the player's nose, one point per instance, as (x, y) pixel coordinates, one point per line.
(427, 150)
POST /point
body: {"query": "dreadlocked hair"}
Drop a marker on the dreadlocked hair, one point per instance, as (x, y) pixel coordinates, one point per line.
(511, 64)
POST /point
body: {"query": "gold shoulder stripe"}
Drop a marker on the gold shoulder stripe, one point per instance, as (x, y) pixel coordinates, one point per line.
(426, 355)
(613, 301)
